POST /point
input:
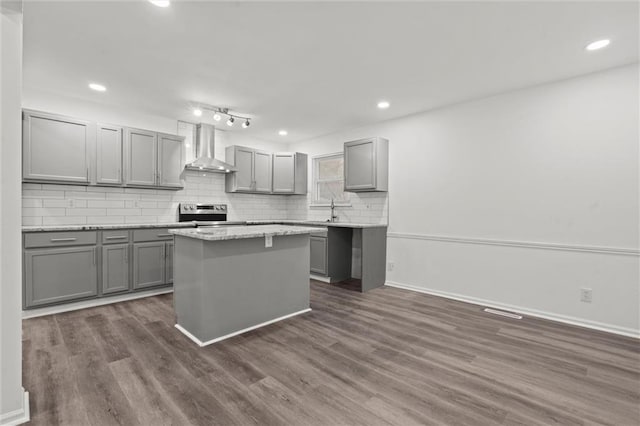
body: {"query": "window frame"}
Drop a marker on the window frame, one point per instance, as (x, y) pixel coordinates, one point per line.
(314, 181)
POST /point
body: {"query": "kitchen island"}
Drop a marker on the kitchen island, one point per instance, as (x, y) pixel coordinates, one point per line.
(233, 279)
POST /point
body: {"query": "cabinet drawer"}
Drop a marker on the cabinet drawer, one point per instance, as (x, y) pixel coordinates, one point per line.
(154, 234)
(115, 237)
(59, 239)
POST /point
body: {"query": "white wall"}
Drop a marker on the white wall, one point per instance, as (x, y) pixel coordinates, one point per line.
(555, 165)
(14, 406)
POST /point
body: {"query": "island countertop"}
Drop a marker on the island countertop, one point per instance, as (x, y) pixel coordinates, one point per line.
(241, 232)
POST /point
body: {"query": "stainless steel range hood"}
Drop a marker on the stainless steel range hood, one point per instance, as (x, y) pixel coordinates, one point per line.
(205, 144)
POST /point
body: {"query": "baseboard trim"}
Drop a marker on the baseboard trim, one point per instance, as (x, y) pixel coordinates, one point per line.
(594, 325)
(57, 309)
(235, 333)
(320, 278)
(19, 416)
(620, 251)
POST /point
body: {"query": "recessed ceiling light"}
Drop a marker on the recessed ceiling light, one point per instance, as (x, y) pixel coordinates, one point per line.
(283, 133)
(160, 3)
(599, 44)
(383, 104)
(197, 112)
(97, 87)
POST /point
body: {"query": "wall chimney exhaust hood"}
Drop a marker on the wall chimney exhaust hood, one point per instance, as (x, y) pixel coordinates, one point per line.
(205, 144)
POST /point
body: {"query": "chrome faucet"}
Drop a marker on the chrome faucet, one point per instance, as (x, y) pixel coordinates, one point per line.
(334, 216)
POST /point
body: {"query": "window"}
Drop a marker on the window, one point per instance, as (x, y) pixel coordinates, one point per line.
(328, 180)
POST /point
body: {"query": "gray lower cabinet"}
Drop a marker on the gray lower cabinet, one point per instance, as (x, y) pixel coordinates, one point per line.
(54, 275)
(149, 264)
(168, 274)
(115, 268)
(56, 148)
(64, 266)
(318, 250)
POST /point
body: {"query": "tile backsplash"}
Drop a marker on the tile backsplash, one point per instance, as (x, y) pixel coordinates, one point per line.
(49, 204)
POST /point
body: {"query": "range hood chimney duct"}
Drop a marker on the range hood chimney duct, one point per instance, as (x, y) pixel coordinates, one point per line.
(205, 152)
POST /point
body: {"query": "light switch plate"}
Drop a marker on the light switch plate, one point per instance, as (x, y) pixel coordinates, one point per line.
(268, 240)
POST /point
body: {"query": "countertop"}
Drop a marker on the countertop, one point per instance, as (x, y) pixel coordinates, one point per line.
(98, 227)
(47, 228)
(241, 232)
(316, 223)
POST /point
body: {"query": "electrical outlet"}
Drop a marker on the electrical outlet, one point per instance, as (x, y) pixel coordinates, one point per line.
(586, 295)
(268, 240)
(390, 266)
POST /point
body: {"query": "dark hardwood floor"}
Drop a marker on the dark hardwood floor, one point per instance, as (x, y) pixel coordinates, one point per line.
(385, 357)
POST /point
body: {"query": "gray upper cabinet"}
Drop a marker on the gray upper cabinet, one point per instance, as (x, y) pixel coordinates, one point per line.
(262, 171)
(54, 275)
(141, 157)
(109, 155)
(289, 173)
(170, 161)
(366, 165)
(115, 268)
(254, 170)
(56, 148)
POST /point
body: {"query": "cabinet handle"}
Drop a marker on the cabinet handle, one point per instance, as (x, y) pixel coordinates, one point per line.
(164, 235)
(117, 237)
(95, 254)
(60, 240)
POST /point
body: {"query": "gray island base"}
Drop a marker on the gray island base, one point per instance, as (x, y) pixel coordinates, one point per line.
(228, 281)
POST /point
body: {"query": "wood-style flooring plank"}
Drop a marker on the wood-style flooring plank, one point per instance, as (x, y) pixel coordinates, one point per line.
(385, 357)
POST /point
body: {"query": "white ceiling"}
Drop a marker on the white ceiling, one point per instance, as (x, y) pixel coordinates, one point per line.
(315, 68)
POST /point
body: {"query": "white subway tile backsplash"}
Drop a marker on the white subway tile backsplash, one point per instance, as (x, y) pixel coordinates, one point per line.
(70, 204)
(86, 212)
(64, 220)
(105, 203)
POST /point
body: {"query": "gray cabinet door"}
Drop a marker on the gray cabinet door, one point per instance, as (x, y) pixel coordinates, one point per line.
(284, 173)
(318, 250)
(359, 165)
(56, 148)
(115, 268)
(244, 163)
(141, 157)
(108, 155)
(59, 274)
(148, 264)
(168, 274)
(170, 164)
(262, 171)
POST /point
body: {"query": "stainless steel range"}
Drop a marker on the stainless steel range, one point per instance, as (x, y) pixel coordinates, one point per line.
(205, 214)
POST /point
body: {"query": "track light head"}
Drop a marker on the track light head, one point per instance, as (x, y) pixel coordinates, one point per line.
(230, 121)
(246, 124)
(217, 116)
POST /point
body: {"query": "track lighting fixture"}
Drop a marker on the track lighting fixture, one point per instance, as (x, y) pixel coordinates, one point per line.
(218, 112)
